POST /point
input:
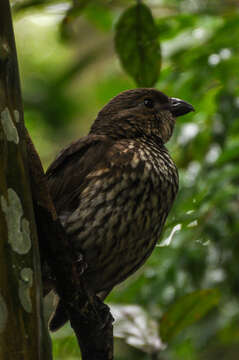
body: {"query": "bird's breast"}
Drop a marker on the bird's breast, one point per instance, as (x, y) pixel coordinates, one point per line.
(121, 213)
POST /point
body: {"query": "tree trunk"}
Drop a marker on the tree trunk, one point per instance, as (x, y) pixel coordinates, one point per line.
(23, 334)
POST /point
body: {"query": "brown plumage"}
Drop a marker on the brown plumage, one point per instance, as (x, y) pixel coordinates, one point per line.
(114, 188)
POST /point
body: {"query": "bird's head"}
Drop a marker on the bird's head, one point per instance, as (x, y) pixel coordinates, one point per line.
(140, 112)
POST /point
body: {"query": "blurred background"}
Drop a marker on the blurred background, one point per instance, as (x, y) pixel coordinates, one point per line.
(183, 304)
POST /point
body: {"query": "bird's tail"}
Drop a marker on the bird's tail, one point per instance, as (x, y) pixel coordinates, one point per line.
(59, 317)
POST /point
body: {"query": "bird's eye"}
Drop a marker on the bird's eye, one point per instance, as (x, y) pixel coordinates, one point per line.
(149, 103)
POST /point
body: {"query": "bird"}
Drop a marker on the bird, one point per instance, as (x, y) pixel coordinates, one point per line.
(114, 188)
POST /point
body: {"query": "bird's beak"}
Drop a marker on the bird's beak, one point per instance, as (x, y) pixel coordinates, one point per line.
(179, 107)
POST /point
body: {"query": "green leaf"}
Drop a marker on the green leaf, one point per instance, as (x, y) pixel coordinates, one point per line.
(186, 311)
(136, 42)
(64, 344)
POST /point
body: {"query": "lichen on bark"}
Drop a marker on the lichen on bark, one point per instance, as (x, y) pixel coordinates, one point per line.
(18, 227)
(9, 127)
(25, 284)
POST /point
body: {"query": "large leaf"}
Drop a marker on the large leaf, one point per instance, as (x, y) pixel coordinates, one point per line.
(186, 311)
(136, 42)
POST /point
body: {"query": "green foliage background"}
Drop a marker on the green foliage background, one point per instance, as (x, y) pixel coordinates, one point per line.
(187, 293)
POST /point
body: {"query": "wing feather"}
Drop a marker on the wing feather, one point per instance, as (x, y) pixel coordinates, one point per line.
(67, 172)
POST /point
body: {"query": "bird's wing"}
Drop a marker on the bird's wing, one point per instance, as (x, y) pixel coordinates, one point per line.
(65, 175)
(71, 172)
(77, 148)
